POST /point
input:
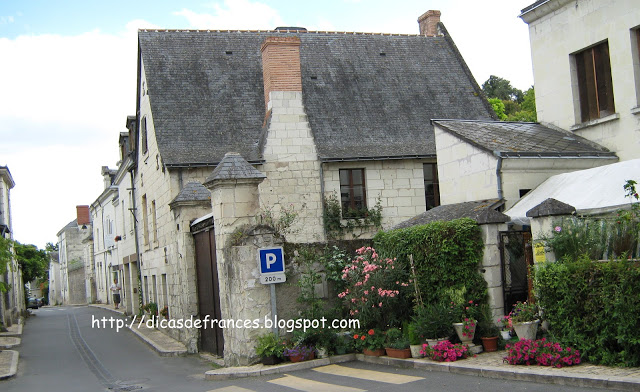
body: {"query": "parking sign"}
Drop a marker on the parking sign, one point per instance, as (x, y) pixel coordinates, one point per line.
(271, 264)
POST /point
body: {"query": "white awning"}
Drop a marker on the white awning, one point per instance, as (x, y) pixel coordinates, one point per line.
(592, 191)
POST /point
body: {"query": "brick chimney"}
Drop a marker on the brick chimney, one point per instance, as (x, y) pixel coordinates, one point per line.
(83, 216)
(280, 66)
(429, 23)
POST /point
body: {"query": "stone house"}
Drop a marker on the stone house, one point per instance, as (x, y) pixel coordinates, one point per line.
(55, 279)
(71, 258)
(586, 63)
(12, 301)
(322, 115)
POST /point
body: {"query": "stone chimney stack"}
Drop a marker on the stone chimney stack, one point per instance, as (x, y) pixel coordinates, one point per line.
(280, 66)
(429, 23)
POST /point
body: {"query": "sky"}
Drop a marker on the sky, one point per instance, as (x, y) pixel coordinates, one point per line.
(68, 76)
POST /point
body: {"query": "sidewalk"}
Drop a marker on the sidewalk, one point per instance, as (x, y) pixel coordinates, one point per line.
(162, 343)
(488, 365)
(9, 358)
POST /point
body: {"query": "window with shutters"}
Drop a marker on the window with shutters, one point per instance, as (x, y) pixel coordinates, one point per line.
(595, 88)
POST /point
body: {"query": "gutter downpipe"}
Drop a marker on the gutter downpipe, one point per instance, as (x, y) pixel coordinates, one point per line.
(324, 228)
(135, 235)
(499, 174)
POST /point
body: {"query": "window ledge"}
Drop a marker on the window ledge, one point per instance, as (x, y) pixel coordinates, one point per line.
(611, 117)
(635, 110)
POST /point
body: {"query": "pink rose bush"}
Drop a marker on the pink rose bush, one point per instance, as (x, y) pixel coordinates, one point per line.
(373, 288)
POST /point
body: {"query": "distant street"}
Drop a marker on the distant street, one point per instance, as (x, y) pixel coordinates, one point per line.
(61, 352)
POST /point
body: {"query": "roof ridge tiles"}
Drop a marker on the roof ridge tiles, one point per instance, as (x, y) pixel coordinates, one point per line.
(279, 32)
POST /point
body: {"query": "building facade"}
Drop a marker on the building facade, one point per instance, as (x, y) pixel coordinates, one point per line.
(12, 303)
(586, 64)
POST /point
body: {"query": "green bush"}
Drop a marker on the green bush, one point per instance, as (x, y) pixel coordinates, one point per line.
(446, 257)
(593, 306)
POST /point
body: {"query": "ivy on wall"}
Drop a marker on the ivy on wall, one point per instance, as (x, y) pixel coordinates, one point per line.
(336, 227)
(446, 255)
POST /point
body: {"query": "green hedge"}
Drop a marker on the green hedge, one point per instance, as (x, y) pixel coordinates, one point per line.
(594, 307)
(446, 256)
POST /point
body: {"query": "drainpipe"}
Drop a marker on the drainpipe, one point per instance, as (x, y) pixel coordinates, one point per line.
(135, 235)
(324, 228)
(499, 174)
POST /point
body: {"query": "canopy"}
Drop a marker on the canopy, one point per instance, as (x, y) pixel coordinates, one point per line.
(592, 191)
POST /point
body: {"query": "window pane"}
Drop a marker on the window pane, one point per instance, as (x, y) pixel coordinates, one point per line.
(357, 176)
(344, 177)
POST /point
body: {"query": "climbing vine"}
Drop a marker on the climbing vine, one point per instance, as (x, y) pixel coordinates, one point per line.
(338, 223)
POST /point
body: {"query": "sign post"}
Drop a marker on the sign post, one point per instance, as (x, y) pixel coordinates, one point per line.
(271, 265)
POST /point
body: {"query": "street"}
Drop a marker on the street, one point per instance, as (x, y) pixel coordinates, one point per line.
(60, 351)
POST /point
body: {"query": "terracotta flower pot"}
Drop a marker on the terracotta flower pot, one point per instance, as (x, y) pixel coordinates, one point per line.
(373, 353)
(402, 353)
(490, 344)
(296, 358)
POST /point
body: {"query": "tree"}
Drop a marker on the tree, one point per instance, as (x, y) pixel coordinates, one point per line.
(496, 87)
(5, 260)
(33, 261)
(498, 107)
(516, 105)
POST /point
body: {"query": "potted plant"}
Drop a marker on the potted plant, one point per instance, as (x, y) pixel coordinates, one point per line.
(397, 344)
(300, 353)
(325, 342)
(432, 323)
(446, 351)
(488, 330)
(525, 320)
(505, 327)
(270, 349)
(164, 312)
(415, 343)
(467, 313)
(370, 342)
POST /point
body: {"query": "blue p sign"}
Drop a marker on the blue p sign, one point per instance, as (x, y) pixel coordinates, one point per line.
(271, 260)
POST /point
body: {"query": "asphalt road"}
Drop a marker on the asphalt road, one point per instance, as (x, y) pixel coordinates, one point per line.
(60, 351)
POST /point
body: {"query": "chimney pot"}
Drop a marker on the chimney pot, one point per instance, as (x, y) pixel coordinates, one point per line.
(428, 23)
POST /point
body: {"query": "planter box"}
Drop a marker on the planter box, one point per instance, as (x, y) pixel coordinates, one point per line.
(374, 353)
(402, 353)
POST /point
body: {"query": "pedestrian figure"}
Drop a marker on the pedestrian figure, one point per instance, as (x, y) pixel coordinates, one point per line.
(115, 289)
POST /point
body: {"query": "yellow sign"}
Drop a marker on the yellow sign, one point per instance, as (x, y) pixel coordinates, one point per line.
(540, 256)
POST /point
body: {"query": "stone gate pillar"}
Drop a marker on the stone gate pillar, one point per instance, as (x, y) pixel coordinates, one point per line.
(235, 203)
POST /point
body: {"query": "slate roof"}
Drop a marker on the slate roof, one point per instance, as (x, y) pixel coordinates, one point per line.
(481, 211)
(551, 207)
(234, 167)
(366, 96)
(513, 139)
(192, 191)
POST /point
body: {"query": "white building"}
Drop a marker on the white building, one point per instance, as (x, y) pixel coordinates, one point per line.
(12, 302)
(586, 65)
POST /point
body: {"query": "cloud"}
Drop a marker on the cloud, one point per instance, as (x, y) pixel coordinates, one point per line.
(64, 102)
(6, 20)
(234, 14)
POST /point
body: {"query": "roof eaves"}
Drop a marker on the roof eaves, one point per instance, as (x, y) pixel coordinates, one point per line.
(380, 158)
(562, 154)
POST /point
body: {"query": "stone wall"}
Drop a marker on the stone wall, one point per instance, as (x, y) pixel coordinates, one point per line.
(397, 184)
(292, 167)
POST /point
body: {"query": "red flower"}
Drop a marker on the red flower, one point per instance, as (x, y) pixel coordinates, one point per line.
(371, 332)
(362, 337)
(355, 336)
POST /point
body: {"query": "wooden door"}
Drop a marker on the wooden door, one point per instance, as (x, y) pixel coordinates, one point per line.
(211, 339)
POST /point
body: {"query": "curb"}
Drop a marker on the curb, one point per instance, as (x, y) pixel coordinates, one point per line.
(155, 346)
(9, 346)
(16, 334)
(13, 368)
(516, 374)
(161, 352)
(262, 370)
